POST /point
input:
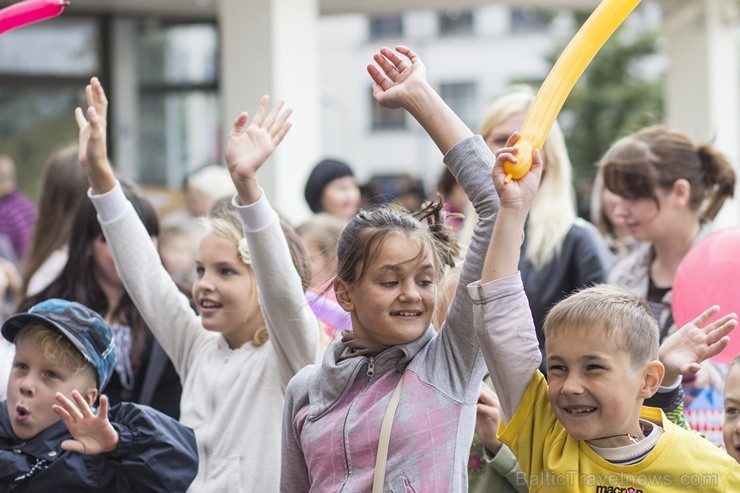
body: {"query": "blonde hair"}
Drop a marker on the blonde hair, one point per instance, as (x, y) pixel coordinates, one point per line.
(57, 349)
(622, 317)
(553, 210)
(225, 223)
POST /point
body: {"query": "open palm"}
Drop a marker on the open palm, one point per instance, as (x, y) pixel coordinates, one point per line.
(92, 124)
(91, 433)
(249, 146)
(397, 82)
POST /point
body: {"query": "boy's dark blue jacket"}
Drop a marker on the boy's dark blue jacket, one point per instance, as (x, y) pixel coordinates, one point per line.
(155, 453)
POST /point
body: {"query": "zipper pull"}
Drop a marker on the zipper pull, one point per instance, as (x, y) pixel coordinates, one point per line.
(371, 367)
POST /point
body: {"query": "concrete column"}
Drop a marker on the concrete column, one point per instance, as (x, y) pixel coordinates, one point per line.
(703, 83)
(124, 84)
(271, 47)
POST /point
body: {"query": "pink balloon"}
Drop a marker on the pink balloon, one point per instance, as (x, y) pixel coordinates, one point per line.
(28, 12)
(710, 275)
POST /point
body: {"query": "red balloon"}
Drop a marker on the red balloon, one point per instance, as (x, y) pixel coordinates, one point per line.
(710, 275)
(28, 12)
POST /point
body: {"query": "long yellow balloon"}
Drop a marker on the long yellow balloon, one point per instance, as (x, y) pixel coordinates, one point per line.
(602, 23)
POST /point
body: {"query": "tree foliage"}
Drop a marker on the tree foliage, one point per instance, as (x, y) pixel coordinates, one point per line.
(615, 96)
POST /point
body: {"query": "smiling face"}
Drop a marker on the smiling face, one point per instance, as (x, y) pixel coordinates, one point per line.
(341, 197)
(731, 429)
(393, 302)
(592, 387)
(34, 381)
(644, 219)
(225, 292)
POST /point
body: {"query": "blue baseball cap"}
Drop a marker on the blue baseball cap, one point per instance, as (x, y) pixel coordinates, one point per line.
(84, 328)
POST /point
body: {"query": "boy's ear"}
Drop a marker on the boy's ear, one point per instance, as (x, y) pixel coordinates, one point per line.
(344, 298)
(90, 396)
(653, 377)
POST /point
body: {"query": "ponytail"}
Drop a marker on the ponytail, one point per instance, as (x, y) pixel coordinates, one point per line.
(447, 246)
(719, 179)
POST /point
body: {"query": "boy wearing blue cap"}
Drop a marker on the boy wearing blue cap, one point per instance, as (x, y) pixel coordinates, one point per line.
(51, 442)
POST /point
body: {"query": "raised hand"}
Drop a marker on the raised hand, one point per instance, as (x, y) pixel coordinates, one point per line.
(93, 152)
(517, 194)
(249, 146)
(685, 349)
(399, 80)
(92, 434)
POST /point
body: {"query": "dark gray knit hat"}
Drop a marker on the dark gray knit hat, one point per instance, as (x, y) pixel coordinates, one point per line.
(321, 175)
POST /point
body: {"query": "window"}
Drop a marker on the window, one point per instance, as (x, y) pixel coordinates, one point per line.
(388, 26)
(43, 71)
(461, 97)
(385, 118)
(164, 120)
(178, 101)
(529, 19)
(455, 22)
(67, 46)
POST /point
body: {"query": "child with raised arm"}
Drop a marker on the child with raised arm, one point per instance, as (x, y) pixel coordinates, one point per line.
(586, 429)
(50, 438)
(254, 329)
(392, 406)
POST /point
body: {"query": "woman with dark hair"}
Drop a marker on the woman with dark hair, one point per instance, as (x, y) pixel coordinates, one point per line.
(63, 187)
(144, 374)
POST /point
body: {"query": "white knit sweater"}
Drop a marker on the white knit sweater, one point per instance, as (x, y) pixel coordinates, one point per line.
(232, 398)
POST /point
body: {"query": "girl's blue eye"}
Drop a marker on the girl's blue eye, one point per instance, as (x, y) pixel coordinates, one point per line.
(388, 284)
(51, 374)
(732, 411)
(21, 366)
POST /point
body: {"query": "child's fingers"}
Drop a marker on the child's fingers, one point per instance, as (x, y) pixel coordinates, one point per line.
(272, 115)
(240, 122)
(89, 96)
(486, 395)
(283, 131)
(504, 156)
(282, 118)
(396, 59)
(512, 139)
(383, 62)
(63, 415)
(92, 118)
(68, 406)
(379, 79)
(720, 328)
(259, 115)
(73, 446)
(717, 347)
(408, 53)
(99, 92)
(690, 368)
(80, 117)
(103, 410)
(82, 404)
(705, 316)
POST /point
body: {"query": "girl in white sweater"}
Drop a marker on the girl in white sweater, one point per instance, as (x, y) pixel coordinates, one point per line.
(233, 377)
